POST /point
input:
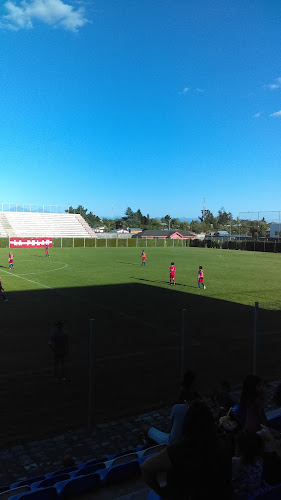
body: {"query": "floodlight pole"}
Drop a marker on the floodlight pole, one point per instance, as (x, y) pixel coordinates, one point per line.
(91, 372)
(255, 337)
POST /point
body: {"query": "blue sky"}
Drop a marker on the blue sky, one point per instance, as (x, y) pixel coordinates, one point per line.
(152, 104)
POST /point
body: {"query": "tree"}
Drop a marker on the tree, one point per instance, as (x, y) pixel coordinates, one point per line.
(175, 223)
(195, 226)
(166, 220)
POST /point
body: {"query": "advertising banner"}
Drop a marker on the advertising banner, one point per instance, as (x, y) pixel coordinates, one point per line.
(30, 242)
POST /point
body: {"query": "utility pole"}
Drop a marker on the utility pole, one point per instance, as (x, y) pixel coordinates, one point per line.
(204, 210)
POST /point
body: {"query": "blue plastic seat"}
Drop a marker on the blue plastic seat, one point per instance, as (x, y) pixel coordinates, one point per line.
(78, 485)
(5, 495)
(4, 488)
(50, 481)
(118, 473)
(58, 472)
(90, 469)
(28, 481)
(153, 496)
(273, 493)
(39, 494)
(96, 461)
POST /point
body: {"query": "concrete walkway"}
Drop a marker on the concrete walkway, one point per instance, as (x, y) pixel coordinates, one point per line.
(43, 456)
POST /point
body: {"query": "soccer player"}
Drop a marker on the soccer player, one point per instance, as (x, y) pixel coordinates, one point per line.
(201, 278)
(47, 252)
(172, 273)
(11, 261)
(2, 290)
(143, 257)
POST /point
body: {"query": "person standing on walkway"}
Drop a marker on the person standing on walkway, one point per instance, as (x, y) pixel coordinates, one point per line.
(59, 344)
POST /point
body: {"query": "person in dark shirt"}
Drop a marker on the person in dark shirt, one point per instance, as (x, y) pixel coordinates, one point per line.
(59, 344)
(199, 467)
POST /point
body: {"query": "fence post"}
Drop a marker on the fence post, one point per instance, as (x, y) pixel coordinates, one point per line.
(183, 342)
(256, 310)
(91, 373)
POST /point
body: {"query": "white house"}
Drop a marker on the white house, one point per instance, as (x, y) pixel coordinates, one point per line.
(274, 230)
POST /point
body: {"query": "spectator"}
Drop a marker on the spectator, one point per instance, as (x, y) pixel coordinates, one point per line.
(222, 399)
(188, 393)
(197, 468)
(271, 456)
(251, 404)
(68, 461)
(247, 465)
(59, 344)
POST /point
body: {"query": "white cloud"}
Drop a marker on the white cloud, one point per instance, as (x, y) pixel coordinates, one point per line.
(276, 85)
(184, 91)
(274, 115)
(22, 14)
(257, 115)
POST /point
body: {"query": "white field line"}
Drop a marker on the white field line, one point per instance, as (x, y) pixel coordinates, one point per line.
(22, 278)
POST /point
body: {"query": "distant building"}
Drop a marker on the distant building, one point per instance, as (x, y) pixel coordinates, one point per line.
(134, 230)
(174, 234)
(275, 231)
(121, 230)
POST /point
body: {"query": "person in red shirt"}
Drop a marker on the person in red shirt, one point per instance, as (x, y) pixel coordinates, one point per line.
(47, 251)
(172, 273)
(11, 261)
(201, 278)
(143, 257)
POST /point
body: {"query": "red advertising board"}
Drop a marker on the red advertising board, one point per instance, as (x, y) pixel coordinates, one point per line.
(30, 242)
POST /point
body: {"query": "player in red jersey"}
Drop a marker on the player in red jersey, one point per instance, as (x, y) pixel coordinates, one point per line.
(143, 258)
(11, 261)
(47, 251)
(201, 278)
(172, 273)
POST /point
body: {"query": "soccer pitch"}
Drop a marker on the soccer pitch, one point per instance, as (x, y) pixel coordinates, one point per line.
(137, 328)
(235, 276)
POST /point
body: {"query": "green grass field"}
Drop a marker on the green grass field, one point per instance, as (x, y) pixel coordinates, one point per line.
(137, 326)
(236, 276)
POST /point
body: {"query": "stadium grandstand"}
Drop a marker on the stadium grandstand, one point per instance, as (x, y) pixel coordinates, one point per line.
(29, 224)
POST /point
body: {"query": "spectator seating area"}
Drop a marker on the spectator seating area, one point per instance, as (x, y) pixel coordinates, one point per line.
(106, 476)
(42, 225)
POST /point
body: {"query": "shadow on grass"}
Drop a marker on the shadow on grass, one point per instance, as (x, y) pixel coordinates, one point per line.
(163, 282)
(137, 351)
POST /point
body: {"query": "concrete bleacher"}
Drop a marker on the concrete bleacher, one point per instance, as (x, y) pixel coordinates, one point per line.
(42, 225)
